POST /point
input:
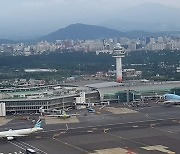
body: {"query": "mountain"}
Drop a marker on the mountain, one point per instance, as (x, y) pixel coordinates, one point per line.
(147, 17)
(82, 31)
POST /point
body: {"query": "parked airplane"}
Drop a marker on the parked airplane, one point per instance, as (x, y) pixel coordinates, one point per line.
(11, 134)
(172, 99)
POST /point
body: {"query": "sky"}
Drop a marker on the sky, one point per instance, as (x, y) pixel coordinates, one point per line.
(31, 18)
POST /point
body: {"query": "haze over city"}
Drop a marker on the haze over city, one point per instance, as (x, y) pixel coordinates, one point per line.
(25, 19)
(89, 76)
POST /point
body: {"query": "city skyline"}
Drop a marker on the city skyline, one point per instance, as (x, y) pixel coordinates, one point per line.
(33, 18)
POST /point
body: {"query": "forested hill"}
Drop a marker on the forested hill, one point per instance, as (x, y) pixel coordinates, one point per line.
(82, 32)
(66, 60)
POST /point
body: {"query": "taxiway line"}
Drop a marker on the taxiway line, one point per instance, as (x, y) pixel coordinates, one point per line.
(33, 147)
(17, 145)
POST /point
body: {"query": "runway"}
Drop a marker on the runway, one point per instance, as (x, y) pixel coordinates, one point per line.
(156, 133)
(117, 126)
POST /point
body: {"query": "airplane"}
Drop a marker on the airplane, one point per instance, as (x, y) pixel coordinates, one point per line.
(171, 99)
(11, 134)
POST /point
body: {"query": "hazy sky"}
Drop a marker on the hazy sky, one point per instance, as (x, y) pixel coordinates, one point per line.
(30, 17)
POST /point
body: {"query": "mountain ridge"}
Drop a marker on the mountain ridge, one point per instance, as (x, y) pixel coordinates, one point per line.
(82, 31)
(85, 32)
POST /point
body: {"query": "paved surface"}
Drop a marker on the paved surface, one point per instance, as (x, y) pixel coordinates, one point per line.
(4, 121)
(152, 130)
(55, 120)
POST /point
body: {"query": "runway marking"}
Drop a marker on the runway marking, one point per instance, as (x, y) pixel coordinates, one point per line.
(168, 131)
(113, 124)
(63, 132)
(114, 151)
(67, 127)
(17, 145)
(70, 145)
(135, 126)
(33, 147)
(160, 148)
(22, 145)
(147, 115)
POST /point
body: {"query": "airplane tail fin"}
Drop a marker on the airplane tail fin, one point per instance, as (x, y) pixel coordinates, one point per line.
(38, 124)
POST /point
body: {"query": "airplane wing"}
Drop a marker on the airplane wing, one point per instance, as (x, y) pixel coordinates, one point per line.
(15, 135)
(11, 137)
(172, 102)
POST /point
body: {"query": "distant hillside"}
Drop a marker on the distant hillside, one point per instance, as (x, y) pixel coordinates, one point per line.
(5, 41)
(82, 31)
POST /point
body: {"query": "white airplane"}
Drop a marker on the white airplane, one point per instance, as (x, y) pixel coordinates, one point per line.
(171, 99)
(11, 134)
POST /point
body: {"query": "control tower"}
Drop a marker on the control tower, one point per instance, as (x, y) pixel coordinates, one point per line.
(118, 53)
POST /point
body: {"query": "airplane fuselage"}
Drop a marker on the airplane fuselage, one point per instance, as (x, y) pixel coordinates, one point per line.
(172, 99)
(20, 132)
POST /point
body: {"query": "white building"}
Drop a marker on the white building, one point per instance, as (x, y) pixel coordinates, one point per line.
(156, 46)
(178, 69)
(2, 110)
(176, 45)
(152, 40)
(160, 40)
(118, 53)
(132, 46)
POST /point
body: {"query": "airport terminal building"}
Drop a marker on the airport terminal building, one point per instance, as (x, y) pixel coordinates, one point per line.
(29, 100)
